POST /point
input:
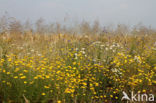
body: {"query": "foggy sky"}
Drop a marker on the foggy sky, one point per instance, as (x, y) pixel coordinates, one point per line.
(106, 11)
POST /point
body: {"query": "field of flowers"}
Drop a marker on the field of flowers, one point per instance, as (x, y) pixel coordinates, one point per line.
(75, 68)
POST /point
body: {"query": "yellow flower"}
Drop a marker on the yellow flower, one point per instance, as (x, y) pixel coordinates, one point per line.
(3, 81)
(23, 77)
(8, 73)
(140, 81)
(46, 87)
(116, 97)
(21, 74)
(144, 90)
(42, 68)
(104, 96)
(25, 71)
(74, 63)
(154, 81)
(4, 71)
(84, 83)
(9, 59)
(25, 82)
(96, 84)
(15, 77)
(36, 77)
(125, 61)
(47, 76)
(43, 94)
(67, 90)
(17, 69)
(74, 68)
(58, 101)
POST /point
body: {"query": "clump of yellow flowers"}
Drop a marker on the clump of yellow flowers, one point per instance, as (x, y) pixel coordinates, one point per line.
(75, 69)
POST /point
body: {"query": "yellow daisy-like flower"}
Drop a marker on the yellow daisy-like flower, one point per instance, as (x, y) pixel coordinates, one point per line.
(46, 87)
(144, 90)
(15, 77)
(23, 77)
(74, 63)
(111, 96)
(116, 97)
(58, 101)
(43, 94)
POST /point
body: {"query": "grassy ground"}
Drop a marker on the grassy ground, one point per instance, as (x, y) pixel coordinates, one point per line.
(75, 68)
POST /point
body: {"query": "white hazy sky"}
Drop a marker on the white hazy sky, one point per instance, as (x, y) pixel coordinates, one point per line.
(106, 11)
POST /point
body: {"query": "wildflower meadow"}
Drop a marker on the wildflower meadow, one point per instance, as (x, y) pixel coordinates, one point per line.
(68, 68)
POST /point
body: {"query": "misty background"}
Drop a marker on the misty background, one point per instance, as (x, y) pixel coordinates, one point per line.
(73, 12)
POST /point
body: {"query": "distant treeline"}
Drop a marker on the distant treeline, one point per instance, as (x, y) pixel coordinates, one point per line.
(10, 25)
